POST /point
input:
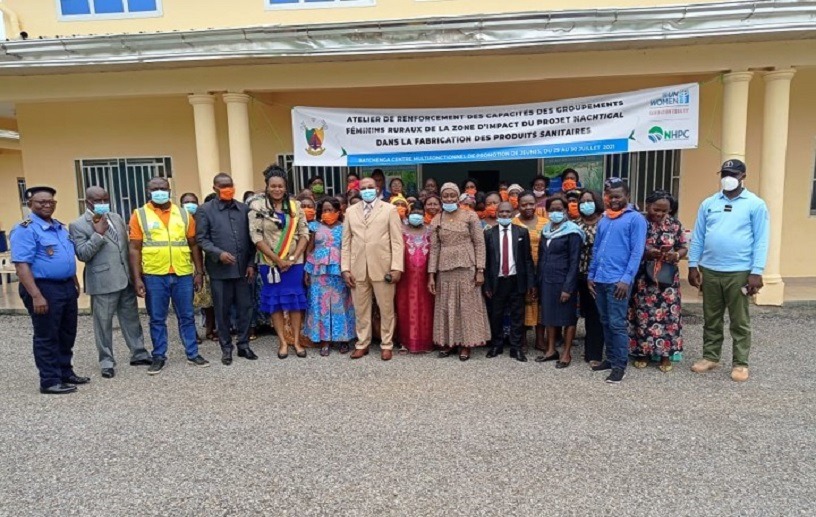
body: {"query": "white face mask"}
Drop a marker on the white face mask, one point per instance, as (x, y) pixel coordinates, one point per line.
(730, 183)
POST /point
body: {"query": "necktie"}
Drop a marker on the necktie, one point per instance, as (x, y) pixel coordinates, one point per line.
(505, 265)
(367, 211)
(112, 232)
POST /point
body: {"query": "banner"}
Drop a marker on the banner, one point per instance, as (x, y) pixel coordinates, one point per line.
(645, 120)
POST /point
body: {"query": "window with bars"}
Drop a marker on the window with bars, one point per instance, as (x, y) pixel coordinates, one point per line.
(100, 9)
(125, 179)
(646, 172)
(312, 4)
(334, 178)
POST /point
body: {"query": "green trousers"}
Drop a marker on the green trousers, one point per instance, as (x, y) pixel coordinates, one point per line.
(723, 291)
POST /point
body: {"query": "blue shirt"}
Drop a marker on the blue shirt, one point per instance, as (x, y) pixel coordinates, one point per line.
(45, 247)
(619, 246)
(731, 235)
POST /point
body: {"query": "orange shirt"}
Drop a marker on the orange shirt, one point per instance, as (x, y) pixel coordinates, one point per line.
(136, 233)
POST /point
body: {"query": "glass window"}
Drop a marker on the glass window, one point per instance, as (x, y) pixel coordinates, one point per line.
(88, 9)
(139, 6)
(109, 6)
(74, 7)
(308, 4)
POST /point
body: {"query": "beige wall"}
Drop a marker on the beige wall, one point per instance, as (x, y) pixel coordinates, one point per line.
(11, 168)
(40, 17)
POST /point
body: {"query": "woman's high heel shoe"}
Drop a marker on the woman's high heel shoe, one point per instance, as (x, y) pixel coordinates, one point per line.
(300, 353)
(283, 355)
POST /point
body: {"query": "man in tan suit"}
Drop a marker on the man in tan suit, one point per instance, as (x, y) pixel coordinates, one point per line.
(371, 263)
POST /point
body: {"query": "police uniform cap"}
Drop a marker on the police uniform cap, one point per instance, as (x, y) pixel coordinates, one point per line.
(29, 193)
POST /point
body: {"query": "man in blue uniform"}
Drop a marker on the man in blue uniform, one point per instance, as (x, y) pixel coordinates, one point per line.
(46, 265)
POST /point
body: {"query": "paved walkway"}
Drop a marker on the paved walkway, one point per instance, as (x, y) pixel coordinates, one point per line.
(417, 436)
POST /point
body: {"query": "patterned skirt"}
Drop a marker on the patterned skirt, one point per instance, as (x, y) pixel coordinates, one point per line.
(330, 316)
(460, 317)
(287, 295)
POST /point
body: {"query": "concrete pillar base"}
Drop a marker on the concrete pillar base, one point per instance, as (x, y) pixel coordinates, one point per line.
(771, 294)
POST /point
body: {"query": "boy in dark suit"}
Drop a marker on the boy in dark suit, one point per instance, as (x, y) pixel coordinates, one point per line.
(509, 277)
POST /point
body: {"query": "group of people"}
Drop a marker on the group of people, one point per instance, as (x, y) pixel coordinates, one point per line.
(449, 269)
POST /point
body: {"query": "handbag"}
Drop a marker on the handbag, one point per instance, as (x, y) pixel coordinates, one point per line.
(660, 272)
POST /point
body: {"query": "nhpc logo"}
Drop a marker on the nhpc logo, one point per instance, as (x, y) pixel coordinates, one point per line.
(672, 98)
(658, 134)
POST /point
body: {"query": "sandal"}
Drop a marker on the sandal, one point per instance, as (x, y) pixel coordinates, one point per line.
(464, 354)
(665, 367)
(344, 348)
(325, 351)
(445, 352)
(640, 363)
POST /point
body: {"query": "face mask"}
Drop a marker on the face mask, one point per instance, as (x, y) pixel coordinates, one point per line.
(428, 218)
(190, 207)
(540, 193)
(309, 213)
(101, 208)
(160, 197)
(226, 193)
(465, 207)
(504, 221)
(416, 219)
(449, 207)
(471, 191)
(587, 208)
(490, 211)
(574, 213)
(729, 183)
(329, 218)
(402, 211)
(556, 217)
(514, 202)
(318, 189)
(568, 185)
(368, 194)
(354, 185)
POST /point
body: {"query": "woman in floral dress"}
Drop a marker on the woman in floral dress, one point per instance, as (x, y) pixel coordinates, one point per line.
(654, 315)
(330, 314)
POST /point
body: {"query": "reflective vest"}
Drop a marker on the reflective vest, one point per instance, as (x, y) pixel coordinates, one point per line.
(165, 247)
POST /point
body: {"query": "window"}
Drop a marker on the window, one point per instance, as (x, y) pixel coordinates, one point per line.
(314, 4)
(646, 172)
(334, 178)
(96, 9)
(125, 179)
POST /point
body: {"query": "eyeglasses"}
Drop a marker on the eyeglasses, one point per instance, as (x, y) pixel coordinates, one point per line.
(44, 203)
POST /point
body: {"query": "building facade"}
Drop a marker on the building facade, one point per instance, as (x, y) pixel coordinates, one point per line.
(115, 91)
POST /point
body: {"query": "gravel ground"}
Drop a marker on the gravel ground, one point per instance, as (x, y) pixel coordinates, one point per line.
(417, 436)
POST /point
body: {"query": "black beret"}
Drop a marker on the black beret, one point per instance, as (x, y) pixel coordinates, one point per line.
(29, 193)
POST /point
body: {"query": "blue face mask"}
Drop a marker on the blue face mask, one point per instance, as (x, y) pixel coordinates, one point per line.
(450, 207)
(190, 207)
(504, 221)
(368, 194)
(101, 208)
(556, 217)
(587, 207)
(415, 219)
(160, 197)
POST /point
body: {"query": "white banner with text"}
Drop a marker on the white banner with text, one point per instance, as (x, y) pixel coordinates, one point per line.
(644, 120)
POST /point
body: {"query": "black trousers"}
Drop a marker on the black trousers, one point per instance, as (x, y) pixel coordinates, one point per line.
(226, 294)
(594, 340)
(507, 298)
(55, 331)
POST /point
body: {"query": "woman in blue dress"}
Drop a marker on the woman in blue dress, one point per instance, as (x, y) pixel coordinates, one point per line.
(330, 316)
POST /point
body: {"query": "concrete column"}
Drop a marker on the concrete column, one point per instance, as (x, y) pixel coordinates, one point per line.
(240, 144)
(772, 176)
(735, 114)
(206, 136)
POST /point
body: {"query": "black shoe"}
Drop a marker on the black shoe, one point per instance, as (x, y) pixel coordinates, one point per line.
(76, 379)
(58, 389)
(616, 376)
(198, 361)
(108, 373)
(156, 367)
(601, 367)
(494, 351)
(141, 362)
(226, 358)
(518, 355)
(546, 358)
(247, 353)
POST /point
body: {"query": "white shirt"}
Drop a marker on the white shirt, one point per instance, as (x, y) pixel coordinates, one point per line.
(510, 258)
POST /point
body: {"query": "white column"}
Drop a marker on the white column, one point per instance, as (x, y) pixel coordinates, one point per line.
(772, 176)
(735, 114)
(240, 144)
(206, 136)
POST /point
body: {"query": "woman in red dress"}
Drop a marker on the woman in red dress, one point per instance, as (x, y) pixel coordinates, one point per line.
(415, 304)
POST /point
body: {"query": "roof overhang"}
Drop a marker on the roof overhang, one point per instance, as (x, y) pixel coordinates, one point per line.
(519, 32)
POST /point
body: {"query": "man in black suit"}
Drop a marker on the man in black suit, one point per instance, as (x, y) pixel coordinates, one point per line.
(509, 277)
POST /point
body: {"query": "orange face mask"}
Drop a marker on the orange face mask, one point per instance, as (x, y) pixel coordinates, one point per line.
(330, 217)
(310, 214)
(613, 214)
(428, 218)
(572, 209)
(504, 195)
(402, 211)
(490, 211)
(568, 185)
(514, 202)
(471, 191)
(226, 193)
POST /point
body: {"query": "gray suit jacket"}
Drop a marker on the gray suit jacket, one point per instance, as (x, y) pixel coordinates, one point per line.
(107, 269)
